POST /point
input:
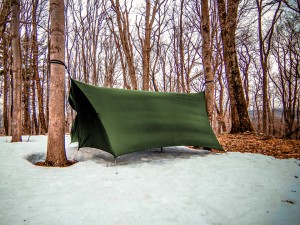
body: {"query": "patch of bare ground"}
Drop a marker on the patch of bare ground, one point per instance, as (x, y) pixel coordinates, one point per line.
(253, 143)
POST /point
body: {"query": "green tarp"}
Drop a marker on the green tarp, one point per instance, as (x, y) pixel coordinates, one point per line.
(123, 121)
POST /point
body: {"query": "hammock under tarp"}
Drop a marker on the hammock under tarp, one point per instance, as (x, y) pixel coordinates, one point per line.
(122, 121)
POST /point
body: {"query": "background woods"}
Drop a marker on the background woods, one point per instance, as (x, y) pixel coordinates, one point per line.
(245, 53)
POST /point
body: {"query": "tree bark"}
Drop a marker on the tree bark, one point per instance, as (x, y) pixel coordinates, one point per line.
(35, 125)
(181, 48)
(206, 58)
(26, 84)
(56, 155)
(4, 13)
(16, 68)
(146, 48)
(42, 120)
(6, 89)
(48, 73)
(228, 21)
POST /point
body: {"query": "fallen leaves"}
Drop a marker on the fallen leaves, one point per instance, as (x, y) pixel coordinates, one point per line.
(252, 143)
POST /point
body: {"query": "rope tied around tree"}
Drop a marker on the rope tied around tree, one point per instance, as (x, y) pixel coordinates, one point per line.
(208, 81)
(55, 61)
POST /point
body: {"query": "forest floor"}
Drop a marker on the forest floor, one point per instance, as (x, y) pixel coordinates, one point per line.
(253, 143)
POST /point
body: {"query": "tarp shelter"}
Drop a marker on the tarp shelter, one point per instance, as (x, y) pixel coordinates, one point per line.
(122, 121)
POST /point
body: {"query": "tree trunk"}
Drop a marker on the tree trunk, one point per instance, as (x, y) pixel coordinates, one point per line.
(181, 47)
(220, 112)
(42, 120)
(5, 107)
(264, 69)
(56, 155)
(16, 52)
(4, 13)
(146, 42)
(48, 75)
(26, 85)
(264, 50)
(6, 89)
(35, 125)
(122, 60)
(146, 48)
(206, 58)
(124, 35)
(228, 21)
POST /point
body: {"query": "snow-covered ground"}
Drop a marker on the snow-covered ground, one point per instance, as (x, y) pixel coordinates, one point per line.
(180, 186)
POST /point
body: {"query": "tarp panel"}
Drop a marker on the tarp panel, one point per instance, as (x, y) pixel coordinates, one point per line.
(87, 128)
(138, 120)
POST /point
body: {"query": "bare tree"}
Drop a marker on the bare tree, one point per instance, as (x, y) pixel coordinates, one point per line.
(4, 13)
(123, 23)
(17, 71)
(244, 63)
(110, 61)
(146, 39)
(285, 49)
(7, 83)
(221, 97)
(292, 4)
(56, 155)
(181, 47)
(264, 50)
(228, 21)
(35, 58)
(5, 7)
(206, 58)
(26, 81)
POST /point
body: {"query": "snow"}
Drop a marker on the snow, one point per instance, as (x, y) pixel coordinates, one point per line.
(179, 186)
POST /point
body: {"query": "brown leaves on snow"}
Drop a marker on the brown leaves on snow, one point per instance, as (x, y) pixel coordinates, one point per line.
(252, 143)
